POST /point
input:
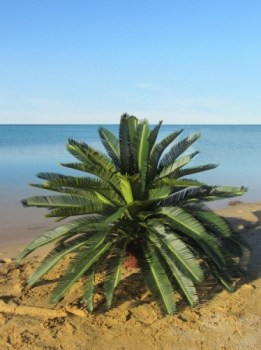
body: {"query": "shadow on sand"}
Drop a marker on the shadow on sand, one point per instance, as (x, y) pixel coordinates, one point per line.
(251, 262)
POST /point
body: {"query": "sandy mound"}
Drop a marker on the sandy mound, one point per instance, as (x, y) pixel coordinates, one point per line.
(222, 321)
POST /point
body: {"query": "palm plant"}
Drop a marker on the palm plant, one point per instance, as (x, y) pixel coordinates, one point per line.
(136, 199)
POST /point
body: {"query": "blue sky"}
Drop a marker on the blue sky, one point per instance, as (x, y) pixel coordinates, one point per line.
(186, 62)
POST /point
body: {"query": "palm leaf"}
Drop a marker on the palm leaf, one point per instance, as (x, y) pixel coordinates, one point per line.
(185, 283)
(156, 278)
(88, 155)
(177, 150)
(63, 201)
(235, 245)
(143, 152)
(133, 126)
(115, 216)
(88, 289)
(90, 208)
(158, 149)
(111, 144)
(236, 237)
(193, 170)
(83, 261)
(179, 252)
(105, 197)
(154, 134)
(191, 227)
(159, 193)
(74, 226)
(125, 188)
(55, 256)
(226, 192)
(172, 183)
(58, 182)
(183, 195)
(113, 273)
(125, 146)
(214, 221)
(112, 179)
(170, 170)
(222, 276)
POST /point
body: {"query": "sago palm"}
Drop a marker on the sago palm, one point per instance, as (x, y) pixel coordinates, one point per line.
(136, 199)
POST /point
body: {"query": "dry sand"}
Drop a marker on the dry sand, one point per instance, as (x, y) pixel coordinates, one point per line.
(222, 321)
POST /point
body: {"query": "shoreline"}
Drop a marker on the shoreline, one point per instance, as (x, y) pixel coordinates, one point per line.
(33, 223)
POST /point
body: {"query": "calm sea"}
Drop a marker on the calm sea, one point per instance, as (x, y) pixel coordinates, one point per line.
(28, 149)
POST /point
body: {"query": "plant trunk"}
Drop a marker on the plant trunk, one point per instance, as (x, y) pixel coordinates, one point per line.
(130, 261)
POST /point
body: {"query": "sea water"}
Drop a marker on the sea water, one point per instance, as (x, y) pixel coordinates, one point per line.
(26, 150)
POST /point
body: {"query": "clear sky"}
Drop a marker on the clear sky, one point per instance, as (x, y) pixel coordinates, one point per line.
(83, 61)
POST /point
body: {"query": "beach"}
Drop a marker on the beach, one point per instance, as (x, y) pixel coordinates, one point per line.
(221, 321)
(124, 127)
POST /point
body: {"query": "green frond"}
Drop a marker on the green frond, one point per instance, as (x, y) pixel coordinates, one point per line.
(215, 222)
(89, 155)
(159, 193)
(237, 237)
(143, 153)
(180, 197)
(222, 192)
(222, 276)
(232, 247)
(113, 271)
(185, 284)
(115, 216)
(62, 201)
(188, 225)
(171, 169)
(133, 124)
(125, 188)
(178, 252)
(84, 183)
(88, 289)
(78, 154)
(177, 150)
(235, 245)
(55, 256)
(126, 152)
(76, 166)
(156, 278)
(133, 210)
(106, 197)
(112, 179)
(111, 144)
(80, 264)
(194, 206)
(158, 150)
(90, 208)
(74, 226)
(135, 183)
(172, 183)
(154, 134)
(193, 170)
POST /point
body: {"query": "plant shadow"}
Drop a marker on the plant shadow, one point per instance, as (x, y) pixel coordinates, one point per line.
(251, 260)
